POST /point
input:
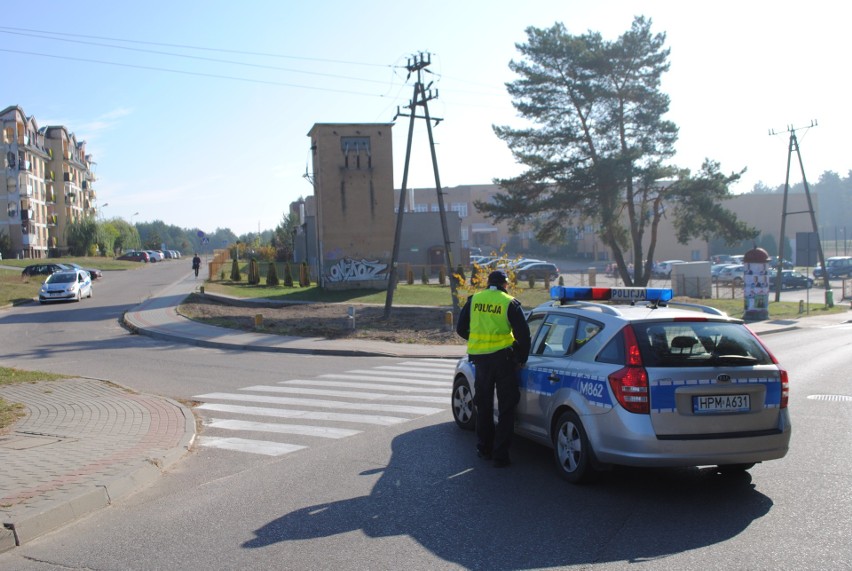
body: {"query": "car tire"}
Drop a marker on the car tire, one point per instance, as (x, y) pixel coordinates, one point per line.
(734, 468)
(91, 292)
(79, 296)
(738, 281)
(464, 412)
(571, 449)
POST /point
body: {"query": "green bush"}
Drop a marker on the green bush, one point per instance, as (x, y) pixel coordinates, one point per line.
(253, 272)
(442, 276)
(409, 276)
(424, 277)
(272, 275)
(288, 275)
(235, 271)
(531, 282)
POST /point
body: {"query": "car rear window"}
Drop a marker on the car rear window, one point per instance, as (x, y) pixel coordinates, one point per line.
(698, 344)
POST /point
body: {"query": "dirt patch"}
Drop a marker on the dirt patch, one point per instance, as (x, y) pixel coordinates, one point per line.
(423, 325)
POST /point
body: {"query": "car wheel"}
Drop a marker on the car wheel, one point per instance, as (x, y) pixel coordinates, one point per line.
(91, 292)
(734, 468)
(738, 281)
(79, 296)
(464, 412)
(571, 449)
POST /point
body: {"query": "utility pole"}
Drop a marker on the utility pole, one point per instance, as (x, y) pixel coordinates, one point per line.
(422, 96)
(794, 145)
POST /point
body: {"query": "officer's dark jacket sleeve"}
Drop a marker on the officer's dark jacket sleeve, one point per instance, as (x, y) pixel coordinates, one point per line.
(520, 330)
(463, 324)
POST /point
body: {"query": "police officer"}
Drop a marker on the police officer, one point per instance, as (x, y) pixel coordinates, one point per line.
(498, 343)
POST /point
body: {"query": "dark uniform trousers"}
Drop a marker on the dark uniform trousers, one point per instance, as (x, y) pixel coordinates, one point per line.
(495, 371)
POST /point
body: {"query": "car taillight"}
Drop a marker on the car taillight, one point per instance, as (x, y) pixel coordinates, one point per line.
(630, 384)
(785, 388)
(783, 377)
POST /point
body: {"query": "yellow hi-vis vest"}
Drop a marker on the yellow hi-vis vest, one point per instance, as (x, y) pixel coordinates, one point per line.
(490, 330)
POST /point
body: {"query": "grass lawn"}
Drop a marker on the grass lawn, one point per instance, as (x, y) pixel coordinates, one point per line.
(17, 289)
(436, 295)
(10, 412)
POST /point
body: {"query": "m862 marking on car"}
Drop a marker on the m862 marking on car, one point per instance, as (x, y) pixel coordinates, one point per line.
(658, 383)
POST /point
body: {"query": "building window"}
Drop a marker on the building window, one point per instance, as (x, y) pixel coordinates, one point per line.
(461, 208)
(420, 208)
(435, 208)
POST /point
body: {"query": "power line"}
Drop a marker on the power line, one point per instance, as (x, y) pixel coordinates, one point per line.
(186, 56)
(194, 73)
(264, 54)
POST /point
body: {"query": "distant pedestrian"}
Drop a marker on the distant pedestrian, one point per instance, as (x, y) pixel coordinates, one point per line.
(196, 264)
(498, 344)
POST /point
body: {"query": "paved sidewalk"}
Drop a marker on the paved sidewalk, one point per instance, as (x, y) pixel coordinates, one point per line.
(85, 443)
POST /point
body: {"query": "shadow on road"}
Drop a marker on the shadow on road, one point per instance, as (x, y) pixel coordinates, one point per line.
(437, 492)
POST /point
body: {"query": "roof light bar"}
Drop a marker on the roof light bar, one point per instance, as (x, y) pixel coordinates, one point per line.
(623, 294)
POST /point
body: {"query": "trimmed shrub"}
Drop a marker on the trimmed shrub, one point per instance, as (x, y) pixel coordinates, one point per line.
(288, 275)
(409, 276)
(235, 271)
(253, 272)
(272, 275)
(424, 277)
(442, 276)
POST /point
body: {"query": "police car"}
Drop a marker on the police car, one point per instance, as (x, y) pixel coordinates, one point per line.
(650, 382)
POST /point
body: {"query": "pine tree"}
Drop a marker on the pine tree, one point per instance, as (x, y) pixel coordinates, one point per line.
(235, 271)
(272, 275)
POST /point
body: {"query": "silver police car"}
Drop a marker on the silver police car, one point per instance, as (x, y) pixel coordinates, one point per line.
(650, 382)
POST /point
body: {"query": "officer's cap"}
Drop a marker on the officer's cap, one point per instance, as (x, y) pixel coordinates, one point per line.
(497, 278)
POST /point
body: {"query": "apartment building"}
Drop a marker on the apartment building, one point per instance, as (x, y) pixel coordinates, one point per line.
(47, 185)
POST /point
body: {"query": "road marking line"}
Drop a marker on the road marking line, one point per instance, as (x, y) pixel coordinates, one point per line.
(301, 429)
(303, 414)
(397, 372)
(377, 379)
(360, 385)
(319, 403)
(344, 394)
(252, 446)
(431, 367)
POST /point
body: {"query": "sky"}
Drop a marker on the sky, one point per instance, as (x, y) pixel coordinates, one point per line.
(197, 113)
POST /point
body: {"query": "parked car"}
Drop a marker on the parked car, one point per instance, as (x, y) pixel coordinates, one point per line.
(43, 269)
(733, 274)
(790, 279)
(650, 383)
(66, 285)
(95, 274)
(154, 255)
(838, 267)
(135, 257)
(715, 269)
(537, 270)
(785, 264)
(664, 269)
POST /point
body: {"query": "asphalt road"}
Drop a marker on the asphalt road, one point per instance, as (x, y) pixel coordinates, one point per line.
(412, 494)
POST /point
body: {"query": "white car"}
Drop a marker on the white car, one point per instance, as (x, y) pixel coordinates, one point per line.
(664, 269)
(66, 286)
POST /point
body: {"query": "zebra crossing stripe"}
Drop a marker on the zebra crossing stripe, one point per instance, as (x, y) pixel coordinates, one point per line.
(419, 371)
(431, 367)
(401, 373)
(321, 403)
(449, 363)
(344, 394)
(253, 446)
(305, 415)
(365, 376)
(361, 385)
(300, 429)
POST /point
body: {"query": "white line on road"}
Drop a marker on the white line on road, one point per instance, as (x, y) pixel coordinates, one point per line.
(400, 372)
(251, 446)
(321, 403)
(367, 376)
(303, 414)
(361, 385)
(345, 394)
(301, 429)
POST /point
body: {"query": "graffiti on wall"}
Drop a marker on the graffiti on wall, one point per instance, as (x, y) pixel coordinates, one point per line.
(348, 269)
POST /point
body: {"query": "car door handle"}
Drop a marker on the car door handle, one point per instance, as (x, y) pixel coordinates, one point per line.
(553, 378)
